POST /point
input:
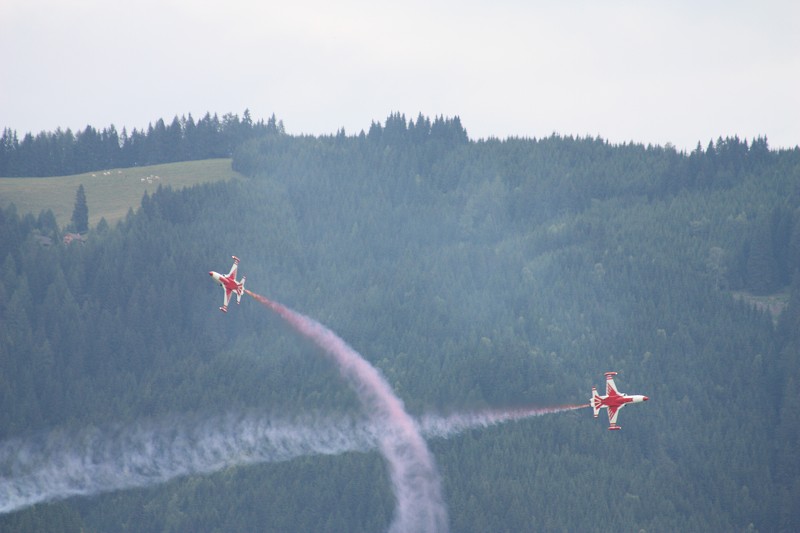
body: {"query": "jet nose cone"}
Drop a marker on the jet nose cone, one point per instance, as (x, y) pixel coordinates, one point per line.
(210, 273)
(645, 398)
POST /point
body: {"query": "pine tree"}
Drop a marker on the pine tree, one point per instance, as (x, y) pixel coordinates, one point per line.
(80, 215)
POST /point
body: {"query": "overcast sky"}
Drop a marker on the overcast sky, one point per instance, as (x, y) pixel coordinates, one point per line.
(652, 72)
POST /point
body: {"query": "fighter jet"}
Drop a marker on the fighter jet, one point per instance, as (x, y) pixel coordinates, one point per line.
(613, 401)
(229, 284)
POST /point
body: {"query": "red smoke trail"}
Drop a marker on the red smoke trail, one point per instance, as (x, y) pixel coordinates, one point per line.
(416, 481)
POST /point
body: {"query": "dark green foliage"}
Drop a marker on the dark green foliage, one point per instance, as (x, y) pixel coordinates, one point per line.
(80, 214)
(473, 275)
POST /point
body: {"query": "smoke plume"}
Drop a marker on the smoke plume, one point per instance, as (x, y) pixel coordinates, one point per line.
(434, 426)
(57, 465)
(415, 479)
(61, 464)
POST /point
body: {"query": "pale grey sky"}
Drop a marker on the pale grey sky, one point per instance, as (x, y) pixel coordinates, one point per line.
(653, 72)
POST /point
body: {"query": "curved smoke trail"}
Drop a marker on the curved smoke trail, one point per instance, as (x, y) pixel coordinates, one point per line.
(61, 464)
(416, 482)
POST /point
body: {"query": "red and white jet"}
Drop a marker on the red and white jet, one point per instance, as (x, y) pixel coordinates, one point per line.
(613, 401)
(229, 284)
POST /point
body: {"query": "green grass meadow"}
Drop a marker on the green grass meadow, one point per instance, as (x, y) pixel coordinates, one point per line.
(109, 193)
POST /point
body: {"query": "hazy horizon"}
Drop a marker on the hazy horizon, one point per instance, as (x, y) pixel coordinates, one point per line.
(677, 73)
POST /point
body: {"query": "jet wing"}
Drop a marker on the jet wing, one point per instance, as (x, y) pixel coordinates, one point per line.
(227, 295)
(611, 388)
(612, 414)
(232, 273)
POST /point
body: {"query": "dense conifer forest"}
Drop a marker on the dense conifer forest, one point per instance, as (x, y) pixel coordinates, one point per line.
(475, 274)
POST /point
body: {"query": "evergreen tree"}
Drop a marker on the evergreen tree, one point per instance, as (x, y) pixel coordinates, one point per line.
(80, 215)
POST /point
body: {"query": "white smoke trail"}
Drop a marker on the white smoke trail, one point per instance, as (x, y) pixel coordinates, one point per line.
(61, 464)
(434, 426)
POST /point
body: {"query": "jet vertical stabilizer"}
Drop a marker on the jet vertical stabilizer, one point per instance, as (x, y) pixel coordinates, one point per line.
(240, 290)
(596, 402)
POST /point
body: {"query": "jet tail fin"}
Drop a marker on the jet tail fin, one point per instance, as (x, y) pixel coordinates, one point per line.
(595, 402)
(240, 290)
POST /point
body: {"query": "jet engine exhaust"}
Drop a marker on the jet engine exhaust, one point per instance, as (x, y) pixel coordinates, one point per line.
(415, 478)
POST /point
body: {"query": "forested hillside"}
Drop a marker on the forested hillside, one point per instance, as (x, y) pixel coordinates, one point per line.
(473, 274)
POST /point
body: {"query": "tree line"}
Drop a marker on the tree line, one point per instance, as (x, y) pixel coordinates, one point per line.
(64, 152)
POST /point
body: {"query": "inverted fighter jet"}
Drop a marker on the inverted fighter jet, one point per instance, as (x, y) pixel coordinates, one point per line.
(613, 401)
(229, 284)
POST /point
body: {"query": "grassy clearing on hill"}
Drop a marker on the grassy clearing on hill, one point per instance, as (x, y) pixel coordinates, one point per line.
(109, 193)
(773, 303)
